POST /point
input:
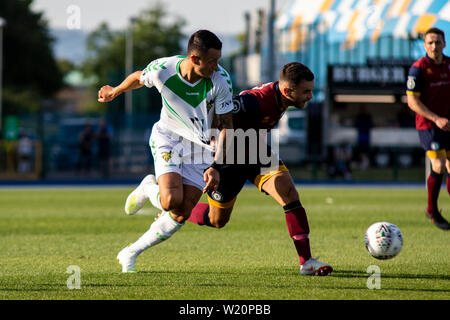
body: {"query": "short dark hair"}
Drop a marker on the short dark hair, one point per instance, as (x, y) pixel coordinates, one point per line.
(295, 72)
(435, 31)
(203, 40)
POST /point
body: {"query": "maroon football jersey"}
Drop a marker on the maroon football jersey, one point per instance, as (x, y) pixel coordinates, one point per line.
(431, 82)
(259, 108)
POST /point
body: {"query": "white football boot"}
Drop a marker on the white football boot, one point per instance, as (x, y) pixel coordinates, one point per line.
(313, 267)
(127, 259)
(137, 198)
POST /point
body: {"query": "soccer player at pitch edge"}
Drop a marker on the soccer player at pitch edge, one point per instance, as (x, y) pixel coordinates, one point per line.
(259, 108)
(196, 92)
(428, 92)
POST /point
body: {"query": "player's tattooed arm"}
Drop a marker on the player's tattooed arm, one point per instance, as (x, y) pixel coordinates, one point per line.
(211, 176)
(224, 123)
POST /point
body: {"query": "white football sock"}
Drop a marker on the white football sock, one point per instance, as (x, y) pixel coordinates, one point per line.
(161, 229)
(152, 192)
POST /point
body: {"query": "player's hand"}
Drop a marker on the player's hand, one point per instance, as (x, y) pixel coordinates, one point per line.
(443, 124)
(106, 94)
(211, 178)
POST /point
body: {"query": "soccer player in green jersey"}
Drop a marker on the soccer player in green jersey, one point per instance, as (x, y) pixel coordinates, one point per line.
(196, 93)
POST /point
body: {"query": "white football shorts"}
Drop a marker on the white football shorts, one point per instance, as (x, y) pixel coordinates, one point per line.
(173, 153)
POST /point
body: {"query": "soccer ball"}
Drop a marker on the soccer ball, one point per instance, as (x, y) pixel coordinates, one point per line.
(383, 240)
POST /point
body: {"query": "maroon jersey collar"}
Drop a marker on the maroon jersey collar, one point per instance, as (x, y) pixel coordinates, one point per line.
(278, 96)
(444, 60)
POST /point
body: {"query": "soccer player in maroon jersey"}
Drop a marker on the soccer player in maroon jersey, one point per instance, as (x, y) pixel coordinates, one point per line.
(428, 92)
(261, 108)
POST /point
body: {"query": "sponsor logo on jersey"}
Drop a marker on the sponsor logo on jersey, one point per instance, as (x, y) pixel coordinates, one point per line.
(225, 104)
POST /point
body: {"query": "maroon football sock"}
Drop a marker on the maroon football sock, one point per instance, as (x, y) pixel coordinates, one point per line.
(199, 215)
(434, 183)
(298, 227)
(448, 184)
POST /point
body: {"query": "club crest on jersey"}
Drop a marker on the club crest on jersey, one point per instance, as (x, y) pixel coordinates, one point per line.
(236, 105)
(209, 105)
(166, 155)
(435, 146)
(217, 196)
(411, 83)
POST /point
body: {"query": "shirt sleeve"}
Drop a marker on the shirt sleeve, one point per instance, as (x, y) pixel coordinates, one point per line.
(224, 95)
(414, 84)
(148, 73)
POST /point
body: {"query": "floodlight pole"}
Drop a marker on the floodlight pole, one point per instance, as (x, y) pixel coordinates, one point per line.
(129, 66)
(270, 42)
(2, 24)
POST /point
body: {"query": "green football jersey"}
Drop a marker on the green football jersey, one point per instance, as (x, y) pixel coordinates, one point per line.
(188, 108)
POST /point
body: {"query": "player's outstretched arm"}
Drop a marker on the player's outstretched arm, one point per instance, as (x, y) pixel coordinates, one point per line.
(108, 93)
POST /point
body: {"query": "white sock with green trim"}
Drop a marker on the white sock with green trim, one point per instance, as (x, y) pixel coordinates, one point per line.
(152, 192)
(161, 229)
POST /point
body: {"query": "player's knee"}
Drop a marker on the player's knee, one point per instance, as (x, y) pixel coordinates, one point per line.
(218, 223)
(438, 165)
(291, 194)
(286, 189)
(171, 201)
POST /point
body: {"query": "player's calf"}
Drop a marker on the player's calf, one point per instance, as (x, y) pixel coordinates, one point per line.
(208, 215)
(298, 227)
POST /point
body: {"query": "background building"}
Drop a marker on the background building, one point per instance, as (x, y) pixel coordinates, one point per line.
(360, 52)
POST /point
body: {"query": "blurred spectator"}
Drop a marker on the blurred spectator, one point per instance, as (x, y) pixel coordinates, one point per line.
(339, 158)
(24, 154)
(85, 149)
(103, 142)
(363, 123)
(405, 119)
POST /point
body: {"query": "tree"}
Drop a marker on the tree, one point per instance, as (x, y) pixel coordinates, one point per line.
(30, 69)
(153, 37)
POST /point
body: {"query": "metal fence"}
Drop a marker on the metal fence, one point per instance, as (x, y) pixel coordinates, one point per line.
(57, 152)
(54, 153)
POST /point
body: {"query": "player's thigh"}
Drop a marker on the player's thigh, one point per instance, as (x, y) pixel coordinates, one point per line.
(434, 142)
(438, 165)
(221, 201)
(170, 190)
(191, 195)
(281, 187)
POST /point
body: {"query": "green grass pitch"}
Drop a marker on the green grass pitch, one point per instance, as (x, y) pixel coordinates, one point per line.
(44, 231)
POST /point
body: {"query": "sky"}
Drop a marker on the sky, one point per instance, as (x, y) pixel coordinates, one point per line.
(226, 16)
